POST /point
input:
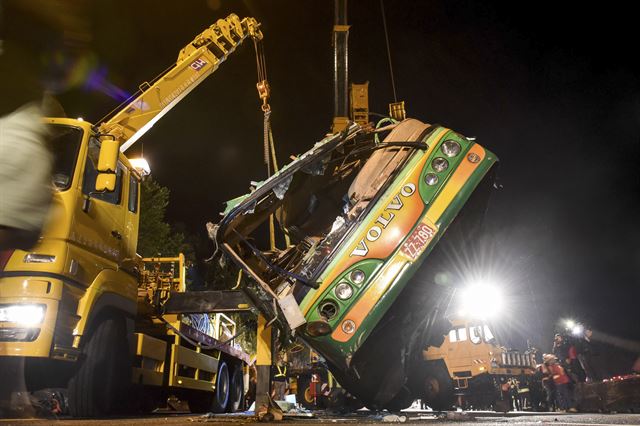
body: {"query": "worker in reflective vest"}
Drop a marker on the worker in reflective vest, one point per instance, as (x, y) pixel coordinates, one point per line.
(280, 382)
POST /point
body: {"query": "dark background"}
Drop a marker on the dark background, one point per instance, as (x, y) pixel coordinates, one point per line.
(551, 87)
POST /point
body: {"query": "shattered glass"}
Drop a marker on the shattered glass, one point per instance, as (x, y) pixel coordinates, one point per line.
(317, 168)
(280, 189)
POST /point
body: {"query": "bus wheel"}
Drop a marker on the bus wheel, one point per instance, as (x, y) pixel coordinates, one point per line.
(221, 393)
(236, 389)
(99, 385)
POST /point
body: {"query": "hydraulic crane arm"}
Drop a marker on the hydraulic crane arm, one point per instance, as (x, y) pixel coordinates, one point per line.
(196, 61)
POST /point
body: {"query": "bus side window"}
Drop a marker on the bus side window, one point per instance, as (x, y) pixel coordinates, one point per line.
(453, 336)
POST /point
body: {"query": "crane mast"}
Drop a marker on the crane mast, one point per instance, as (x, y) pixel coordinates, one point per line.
(196, 61)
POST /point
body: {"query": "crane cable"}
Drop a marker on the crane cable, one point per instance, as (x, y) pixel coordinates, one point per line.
(386, 37)
(263, 92)
(269, 149)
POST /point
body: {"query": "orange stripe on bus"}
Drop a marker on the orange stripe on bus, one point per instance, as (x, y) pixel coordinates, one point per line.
(370, 297)
(378, 252)
(368, 300)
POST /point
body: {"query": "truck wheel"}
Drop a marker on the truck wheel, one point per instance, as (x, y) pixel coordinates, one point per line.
(438, 387)
(99, 385)
(199, 401)
(402, 400)
(221, 393)
(236, 390)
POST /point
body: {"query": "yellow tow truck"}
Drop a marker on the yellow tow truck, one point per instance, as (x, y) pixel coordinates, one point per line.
(82, 310)
(477, 373)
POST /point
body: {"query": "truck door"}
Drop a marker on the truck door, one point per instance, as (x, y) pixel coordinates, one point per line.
(99, 226)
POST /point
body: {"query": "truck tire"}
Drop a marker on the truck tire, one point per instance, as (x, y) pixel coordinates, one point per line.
(402, 400)
(216, 401)
(221, 393)
(98, 387)
(437, 387)
(199, 401)
(236, 390)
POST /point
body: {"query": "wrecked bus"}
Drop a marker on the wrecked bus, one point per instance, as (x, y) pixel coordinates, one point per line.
(362, 212)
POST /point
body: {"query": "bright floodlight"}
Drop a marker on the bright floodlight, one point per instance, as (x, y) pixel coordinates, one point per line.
(570, 324)
(141, 165)
(577, 330)
(480, 301)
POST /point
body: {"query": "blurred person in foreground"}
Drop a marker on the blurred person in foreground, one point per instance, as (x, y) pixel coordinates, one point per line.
(25, 173)
(28, 29)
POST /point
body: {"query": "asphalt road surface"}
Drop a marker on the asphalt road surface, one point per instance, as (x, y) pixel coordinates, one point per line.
(450, 418)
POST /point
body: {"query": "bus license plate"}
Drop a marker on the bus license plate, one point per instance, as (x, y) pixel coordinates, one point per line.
(415, 244)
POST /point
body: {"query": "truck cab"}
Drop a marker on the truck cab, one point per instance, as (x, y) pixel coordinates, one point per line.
(82, 307)
(481, 373)
(51, 295)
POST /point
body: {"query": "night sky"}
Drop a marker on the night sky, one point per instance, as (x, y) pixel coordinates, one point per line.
(551, 87)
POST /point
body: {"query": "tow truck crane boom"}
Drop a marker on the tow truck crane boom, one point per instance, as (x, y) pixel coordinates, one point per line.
(196, 61)
(94, 307)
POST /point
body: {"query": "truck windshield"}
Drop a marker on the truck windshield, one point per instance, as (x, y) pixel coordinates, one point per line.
(478, 333)
(64, 142)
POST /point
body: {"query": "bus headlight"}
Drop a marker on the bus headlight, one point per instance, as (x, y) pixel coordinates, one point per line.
(357, 276)
(450, 148)
(431, 179)
(344, 291)
(439, 164)
(22, 314)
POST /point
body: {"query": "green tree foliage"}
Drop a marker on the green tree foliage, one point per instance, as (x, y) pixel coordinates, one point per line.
(247, 323)
(155, 237)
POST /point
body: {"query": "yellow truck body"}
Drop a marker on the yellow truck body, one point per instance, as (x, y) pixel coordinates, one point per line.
(82, 309)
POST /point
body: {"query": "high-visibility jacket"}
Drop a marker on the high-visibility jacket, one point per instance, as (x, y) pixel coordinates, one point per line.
(558, 374)
(280, 373)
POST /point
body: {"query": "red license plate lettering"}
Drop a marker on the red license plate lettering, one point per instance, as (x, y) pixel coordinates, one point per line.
(416, 242)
